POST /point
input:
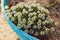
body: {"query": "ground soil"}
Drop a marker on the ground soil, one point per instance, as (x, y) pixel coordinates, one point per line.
(55, 15)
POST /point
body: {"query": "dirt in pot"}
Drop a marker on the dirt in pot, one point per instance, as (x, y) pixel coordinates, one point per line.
(55, 14)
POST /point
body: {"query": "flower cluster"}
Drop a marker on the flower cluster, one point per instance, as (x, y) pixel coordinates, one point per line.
(31, 18)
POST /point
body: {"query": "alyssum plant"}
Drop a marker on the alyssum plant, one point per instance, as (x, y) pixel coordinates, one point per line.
(31, 18)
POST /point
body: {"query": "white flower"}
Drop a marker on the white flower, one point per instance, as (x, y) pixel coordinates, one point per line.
(21, 5)
(39, 8)
(52, 29)
(13, 8)
(30, 19)
(24, 21)
(45, 10)
(13, 19)
(13, 12)
(43, 23)
(15, 15)
(20, 25)
(26, 31)
(34, 17)
(39, 22)
(8, 11)
(42, 8)
(34, 13)
(9, 15)
(46, 30)
(38, 11)
(34, 5)
(50, 20)
(29, 6)
(30, 9)
(42, 33)
(46, 21)
(6, 7)
(18, 14)
(31, 31)
(36, 34)
(56, 23)
(43, 17)
(39, 26)
(30, 14)
(40, 15)
(30, 22)
(34, 27)
(26, 5)
(24, 11)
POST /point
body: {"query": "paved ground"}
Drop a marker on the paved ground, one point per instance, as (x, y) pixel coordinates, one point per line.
(6, 32)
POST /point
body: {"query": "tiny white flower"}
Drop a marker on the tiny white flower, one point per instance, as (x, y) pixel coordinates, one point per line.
(9, 15)
(46, 21)
(34, 27)
(24, 21)
(31, 31)
(50, 20)
(34, 17)
(42, 33)
(39, 27)
(36, 34)
(42, 8)
(52, 29)
(40, 15)
(30, 14)
(43, 17)
(19, 25)
(39, 22)
(46, 11)
(26, 31)
(24, 11)
(46, 30)
(15, 15)
(30, 9)
(19, 13)
(8, 11)
(56, 23)
(13, 19)
(20, 5)
(34, 13)
(30, 22)
(26, 5)
(39, 8)
(13, 7)
(43, 23)
(6, 7)
(29, 6)
(29, 18)
(34, 5)
(38, 11)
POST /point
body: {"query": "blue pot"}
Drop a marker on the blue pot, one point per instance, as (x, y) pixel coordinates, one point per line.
(22, 35)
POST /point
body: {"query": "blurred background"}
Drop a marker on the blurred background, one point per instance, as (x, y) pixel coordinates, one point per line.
(6, 32)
